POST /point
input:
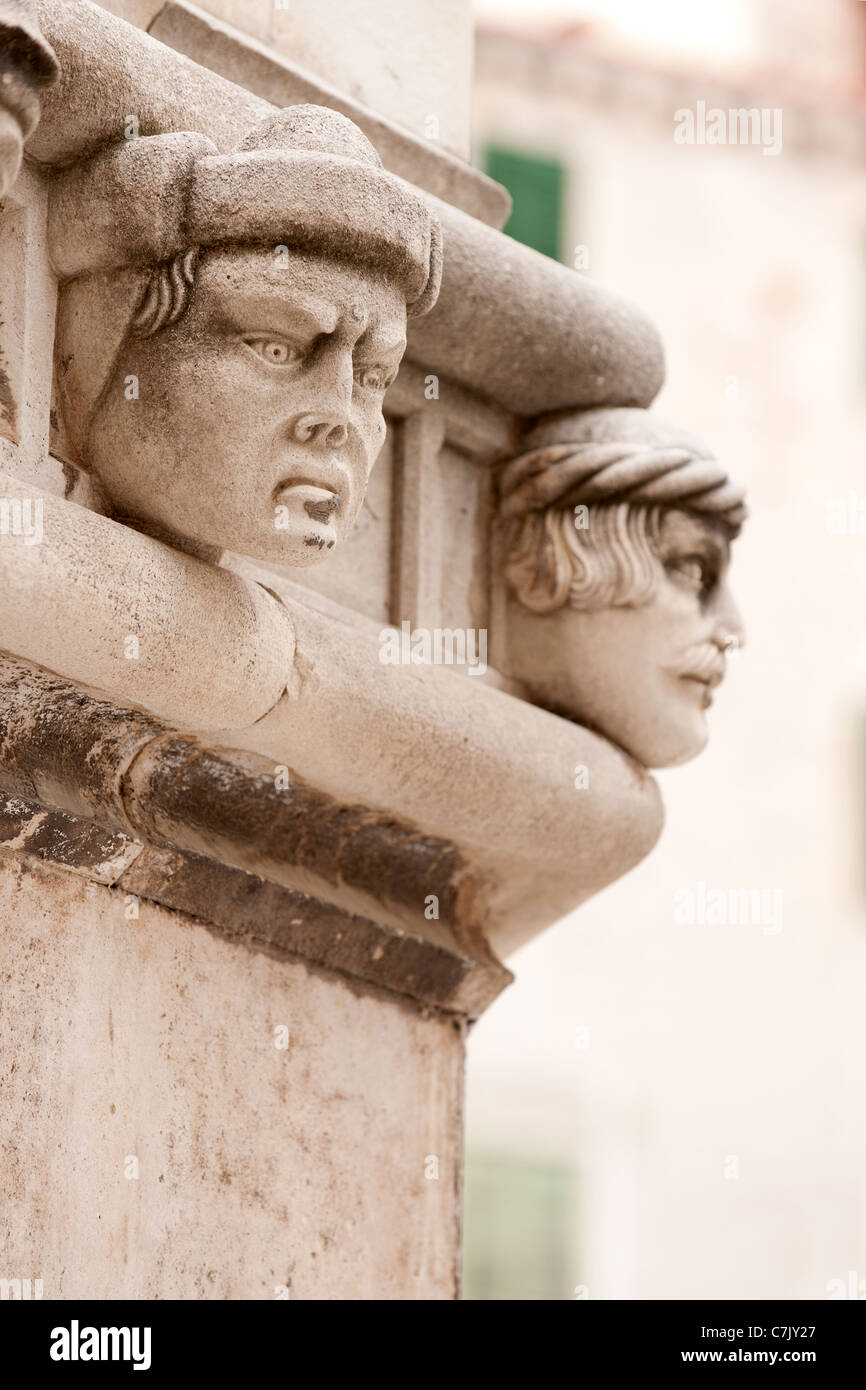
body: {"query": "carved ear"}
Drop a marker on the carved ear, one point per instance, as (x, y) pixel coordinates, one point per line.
(94, 314)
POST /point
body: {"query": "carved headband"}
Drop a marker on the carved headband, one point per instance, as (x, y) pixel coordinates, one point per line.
(307, 177)
(622, 455)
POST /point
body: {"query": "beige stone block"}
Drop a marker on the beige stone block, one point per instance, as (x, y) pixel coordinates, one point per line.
(161, 1137)
(408, 60)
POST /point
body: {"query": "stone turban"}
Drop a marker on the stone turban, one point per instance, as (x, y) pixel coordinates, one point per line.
(618, 455)
(306, 177)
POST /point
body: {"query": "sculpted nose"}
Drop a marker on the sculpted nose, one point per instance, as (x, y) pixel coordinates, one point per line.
(320, 428)
(323, 419)
(729, 629)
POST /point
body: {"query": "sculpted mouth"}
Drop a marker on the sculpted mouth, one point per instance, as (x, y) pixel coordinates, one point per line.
(703, 665)
(706, 682)
(708, 678)
(321, 498)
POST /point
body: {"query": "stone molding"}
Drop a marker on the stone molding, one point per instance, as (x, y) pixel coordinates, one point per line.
(115, 796)
(309, 690)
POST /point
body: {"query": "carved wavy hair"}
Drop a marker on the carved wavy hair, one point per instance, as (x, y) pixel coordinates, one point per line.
(167, 295)
(611, 563)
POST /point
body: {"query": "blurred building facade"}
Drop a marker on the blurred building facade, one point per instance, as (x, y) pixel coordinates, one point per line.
(660, 1110)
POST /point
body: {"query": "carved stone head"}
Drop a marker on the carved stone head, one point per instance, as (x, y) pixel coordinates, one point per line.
(616, 542)
(228, 392)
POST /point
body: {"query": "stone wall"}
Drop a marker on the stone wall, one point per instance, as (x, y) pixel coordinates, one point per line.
(157, 1077)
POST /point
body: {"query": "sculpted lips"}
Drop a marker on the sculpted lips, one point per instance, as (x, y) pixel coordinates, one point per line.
(704, 667)
(320, 498)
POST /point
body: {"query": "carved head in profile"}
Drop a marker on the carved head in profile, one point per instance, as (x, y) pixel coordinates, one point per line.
(228, 392)
(617, 535)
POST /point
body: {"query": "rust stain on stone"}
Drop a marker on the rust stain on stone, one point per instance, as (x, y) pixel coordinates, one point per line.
(283, 922)
(8, 408)
(234, 800)
(53, 735)
(79, 845)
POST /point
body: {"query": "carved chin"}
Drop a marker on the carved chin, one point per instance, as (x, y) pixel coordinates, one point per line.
(673, 742)
(664, 738)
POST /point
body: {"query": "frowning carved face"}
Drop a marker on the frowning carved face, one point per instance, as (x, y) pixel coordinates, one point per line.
(258, 414)
(641, 673)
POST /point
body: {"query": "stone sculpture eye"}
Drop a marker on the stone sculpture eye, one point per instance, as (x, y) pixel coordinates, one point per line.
(374, 378)
(694, 572)
(277, 352)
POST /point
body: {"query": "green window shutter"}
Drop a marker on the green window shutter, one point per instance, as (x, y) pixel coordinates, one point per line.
(516, 1229)
(537, 186)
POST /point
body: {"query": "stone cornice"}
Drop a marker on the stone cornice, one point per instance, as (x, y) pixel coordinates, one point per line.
(113, 795)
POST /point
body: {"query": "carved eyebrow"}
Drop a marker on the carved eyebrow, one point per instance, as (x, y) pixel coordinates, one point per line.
(302, 313)
(689, 533)
(369, 348)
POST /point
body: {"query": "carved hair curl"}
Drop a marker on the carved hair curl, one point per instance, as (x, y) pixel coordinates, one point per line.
(611, 563)
(167, 294)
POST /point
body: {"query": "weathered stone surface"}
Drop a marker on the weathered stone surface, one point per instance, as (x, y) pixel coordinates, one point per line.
(81, 846)
(191, 1155)
(240, 844)
(222, 364)
(530, 333)
(175, 790)
(109, 607)
(467, 762)
(401, 57)
(136, 78)
(264, 916)
(60, 747)
(277, 78)
(235, 285)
